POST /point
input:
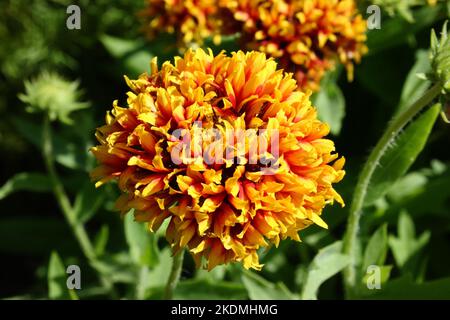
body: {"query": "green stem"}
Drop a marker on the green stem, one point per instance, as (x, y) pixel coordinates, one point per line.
(394, 128)
(64, 203)
(174, 276)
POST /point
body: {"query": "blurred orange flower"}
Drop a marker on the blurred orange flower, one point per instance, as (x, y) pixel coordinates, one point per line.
(227, 148)
(192, 20)
(307, 36)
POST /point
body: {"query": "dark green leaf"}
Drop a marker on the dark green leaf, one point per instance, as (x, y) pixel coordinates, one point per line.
(35, 235)
(26, 181)
(414, 86)
(133, 54)
(396, 31)
(406, 288)
(66, 152)
(398, 158)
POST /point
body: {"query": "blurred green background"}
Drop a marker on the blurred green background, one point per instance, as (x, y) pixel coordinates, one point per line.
(406, 230)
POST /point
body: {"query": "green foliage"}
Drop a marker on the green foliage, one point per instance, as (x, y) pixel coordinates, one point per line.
(376, 249)
(26, 181)
(142, 243)
(407, 200)
(217, 290)
(398, 158)
(260, 289)
(132, 55)
(330, 104)
(440, 59)
(328, 262)
(57, 287)
(405, 246)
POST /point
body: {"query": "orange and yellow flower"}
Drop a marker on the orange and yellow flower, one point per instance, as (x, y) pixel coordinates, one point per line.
(227, 209)
(191, 21)
(307, 36)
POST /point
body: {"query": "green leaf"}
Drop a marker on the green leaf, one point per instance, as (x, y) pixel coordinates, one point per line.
(142, 244)
(406, 246)
(203, 289)
(328, 262)
(396, 31)
(159, 274)
(405, 288)
(67, 153)
(421, 193)
(117, 267)
(26, 181)
(133, 54)
(414, 86)
(57, 280)
(260, 289)
(376, 249)
(101, 240)
(408, 186)
(385, 273)
(216, 274)
(397, 159)
(330, 104)
(87, 202)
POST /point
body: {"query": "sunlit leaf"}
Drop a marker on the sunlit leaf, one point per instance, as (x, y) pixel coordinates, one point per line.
(330, 104)
(328, 262)
(260, 289)
(142, 243)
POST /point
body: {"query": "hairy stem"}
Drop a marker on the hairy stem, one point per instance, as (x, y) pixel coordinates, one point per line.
(174, 277)
(394, 128)
(64, 203)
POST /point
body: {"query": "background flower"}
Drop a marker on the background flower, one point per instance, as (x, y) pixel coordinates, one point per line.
(308, 36)
(191, 21)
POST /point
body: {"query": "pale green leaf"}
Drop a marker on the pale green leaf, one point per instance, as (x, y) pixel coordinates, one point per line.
(376, 250)
(57, 280)
(330, 104)
(328, 262)
(142, 243)
(260, 289)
